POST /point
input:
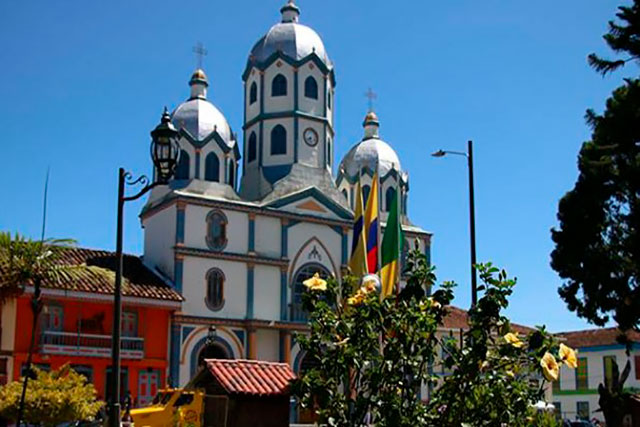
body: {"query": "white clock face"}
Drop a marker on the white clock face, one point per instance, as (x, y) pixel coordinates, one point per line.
(310, 137)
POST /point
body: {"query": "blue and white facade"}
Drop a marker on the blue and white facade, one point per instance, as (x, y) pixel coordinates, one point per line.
(240, 227)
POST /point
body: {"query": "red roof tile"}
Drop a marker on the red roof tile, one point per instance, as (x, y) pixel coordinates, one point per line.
(252, 377)
(458, 318)
(593, 337)
(138, 280)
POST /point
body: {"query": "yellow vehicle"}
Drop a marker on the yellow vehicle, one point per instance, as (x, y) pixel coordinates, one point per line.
(172, 407)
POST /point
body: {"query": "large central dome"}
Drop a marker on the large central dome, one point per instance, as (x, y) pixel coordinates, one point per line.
(293, 39)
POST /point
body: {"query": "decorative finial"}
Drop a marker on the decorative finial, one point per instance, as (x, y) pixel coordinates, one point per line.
(200, 52)
(290, 12)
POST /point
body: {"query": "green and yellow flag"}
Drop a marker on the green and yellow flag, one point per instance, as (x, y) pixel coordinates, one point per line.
(358, 261)
(391, 247)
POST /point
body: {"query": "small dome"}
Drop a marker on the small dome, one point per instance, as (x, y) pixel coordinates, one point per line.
(199, 76)
(294, 40)
(370, 152)
(198, 116)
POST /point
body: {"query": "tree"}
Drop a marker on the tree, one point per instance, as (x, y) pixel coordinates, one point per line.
(371, 356)
(597, 242)
(54, 397)
(621, 38)
(25, 262)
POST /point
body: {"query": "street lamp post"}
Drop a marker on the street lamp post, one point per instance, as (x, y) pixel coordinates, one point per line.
(472, 215)
(165, 153)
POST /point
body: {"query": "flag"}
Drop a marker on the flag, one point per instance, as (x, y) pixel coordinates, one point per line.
(358, 261)
(371, 226)
(390, 250)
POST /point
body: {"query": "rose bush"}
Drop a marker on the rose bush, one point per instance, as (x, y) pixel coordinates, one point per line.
(373, 357)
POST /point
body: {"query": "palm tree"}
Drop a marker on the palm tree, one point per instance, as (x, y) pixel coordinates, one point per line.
(26, 262)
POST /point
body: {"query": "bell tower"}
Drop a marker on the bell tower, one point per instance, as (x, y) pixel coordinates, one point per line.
(289, 92)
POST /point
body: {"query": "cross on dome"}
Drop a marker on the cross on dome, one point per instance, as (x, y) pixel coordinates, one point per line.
(371, 95)
(200, 52)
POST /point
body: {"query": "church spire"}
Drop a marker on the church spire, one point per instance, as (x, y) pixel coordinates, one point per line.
(290, 12)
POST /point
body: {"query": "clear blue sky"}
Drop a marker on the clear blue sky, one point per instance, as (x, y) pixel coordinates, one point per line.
(82, 84)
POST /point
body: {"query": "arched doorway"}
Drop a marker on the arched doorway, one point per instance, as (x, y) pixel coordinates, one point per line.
(214, 351)
(305, 272)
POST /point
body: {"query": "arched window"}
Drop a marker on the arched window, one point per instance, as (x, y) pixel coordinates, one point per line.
(305, 272)
(365, 193)
(346, 195)
(253, 93)
(329, 99)
(278, 140)
(215, 289)
(389, 196)
(279, 85)
(232, 174)
(182, 171)
(216, 230)
(329, 151)
(212, 167)
(311, 88)
(252, 151)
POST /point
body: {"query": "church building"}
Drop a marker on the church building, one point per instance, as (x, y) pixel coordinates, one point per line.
(240, 227)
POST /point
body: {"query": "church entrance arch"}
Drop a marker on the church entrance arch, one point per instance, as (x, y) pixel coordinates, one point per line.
(297, 288)
(214, 351)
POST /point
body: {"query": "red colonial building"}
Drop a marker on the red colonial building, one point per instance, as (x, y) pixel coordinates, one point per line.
(76, 323)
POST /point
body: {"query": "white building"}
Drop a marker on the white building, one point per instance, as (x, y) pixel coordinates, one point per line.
(575, 395)
(239, 253)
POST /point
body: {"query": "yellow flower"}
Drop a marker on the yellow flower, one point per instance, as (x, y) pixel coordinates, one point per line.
(428, 303)
(368, 286)
(568, 356)
(315, 283)
(510, 374)
(434, 303)
(513, 339)
(357, 299)
(550, 367)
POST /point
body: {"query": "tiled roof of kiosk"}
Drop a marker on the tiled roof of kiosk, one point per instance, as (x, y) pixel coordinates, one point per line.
(138, 280)
(252, 377)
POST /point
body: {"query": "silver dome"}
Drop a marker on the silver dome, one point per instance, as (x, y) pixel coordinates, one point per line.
(200, 117)
(371, 152)
(367, 154)
(294, 40)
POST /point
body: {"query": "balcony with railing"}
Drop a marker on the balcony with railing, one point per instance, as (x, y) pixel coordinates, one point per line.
(89, 345)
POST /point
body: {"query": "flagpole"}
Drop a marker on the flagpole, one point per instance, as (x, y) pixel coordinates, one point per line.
(378, 240)
(401, 236)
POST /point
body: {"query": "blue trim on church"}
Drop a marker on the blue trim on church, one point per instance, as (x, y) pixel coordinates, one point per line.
(197, 163)
(252, 234)
(284, 240)
(340, 211)
(200, 345)
(345, 247)
(174, 359)
(283, 296)
(250, 291)
(180, 217)
(186, 330)
(177, 274)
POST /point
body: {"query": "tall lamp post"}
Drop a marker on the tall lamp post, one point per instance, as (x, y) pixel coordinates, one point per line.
(472, 215)
(165, 153)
